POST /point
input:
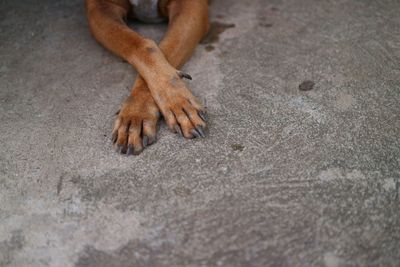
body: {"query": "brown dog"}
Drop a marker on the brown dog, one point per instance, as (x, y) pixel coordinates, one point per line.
(159, 86)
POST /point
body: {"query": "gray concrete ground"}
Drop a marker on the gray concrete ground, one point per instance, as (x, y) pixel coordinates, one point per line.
(284, 178)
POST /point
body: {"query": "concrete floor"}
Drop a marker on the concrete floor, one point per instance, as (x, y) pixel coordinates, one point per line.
(284, 178)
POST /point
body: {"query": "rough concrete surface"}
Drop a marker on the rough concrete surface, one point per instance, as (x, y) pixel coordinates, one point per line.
(285, 177)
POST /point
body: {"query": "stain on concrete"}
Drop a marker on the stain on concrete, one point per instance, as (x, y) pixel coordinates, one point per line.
(182, 191)
(237, 147)
(75, 178)
(216, 29)
(266, 24)
(306, 85)
(274, 9)
(134, 253)
(9, 247)
(60, 184)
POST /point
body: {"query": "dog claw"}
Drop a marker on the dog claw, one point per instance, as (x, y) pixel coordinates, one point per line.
(178, 130)
(114, 137)
(133, 151)
(121, 149)
(130, 150)
(152, 140)
(200, 130)
(184, 75)
(202, 115)
(145, 141)
(195, 133)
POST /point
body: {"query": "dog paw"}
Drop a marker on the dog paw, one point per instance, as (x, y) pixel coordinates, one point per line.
(181, 110)
(136, 124)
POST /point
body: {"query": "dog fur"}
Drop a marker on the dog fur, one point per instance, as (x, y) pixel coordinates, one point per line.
(159, 87)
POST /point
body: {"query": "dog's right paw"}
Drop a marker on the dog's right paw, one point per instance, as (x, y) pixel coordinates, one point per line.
(136, 124)
(181, 110)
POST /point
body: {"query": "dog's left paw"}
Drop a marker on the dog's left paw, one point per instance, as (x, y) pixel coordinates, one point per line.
(136, 124)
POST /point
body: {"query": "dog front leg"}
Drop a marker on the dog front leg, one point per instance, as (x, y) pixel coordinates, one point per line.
(177, 104)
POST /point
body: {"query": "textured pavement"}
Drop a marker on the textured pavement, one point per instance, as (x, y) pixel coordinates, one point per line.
(285, 177)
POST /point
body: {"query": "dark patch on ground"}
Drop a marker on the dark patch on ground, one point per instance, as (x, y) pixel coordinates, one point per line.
(237, 147)
(182, 191)
(135, 253)
(60, 184)
(89, 189)
(306, 85)
(233, 228)
(216, 28)
(9, 247)
(266, 25)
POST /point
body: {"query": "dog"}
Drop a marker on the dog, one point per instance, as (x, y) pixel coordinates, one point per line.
(159, 87)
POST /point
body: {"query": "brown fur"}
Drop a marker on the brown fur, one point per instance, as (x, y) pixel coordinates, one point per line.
(158, 86)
